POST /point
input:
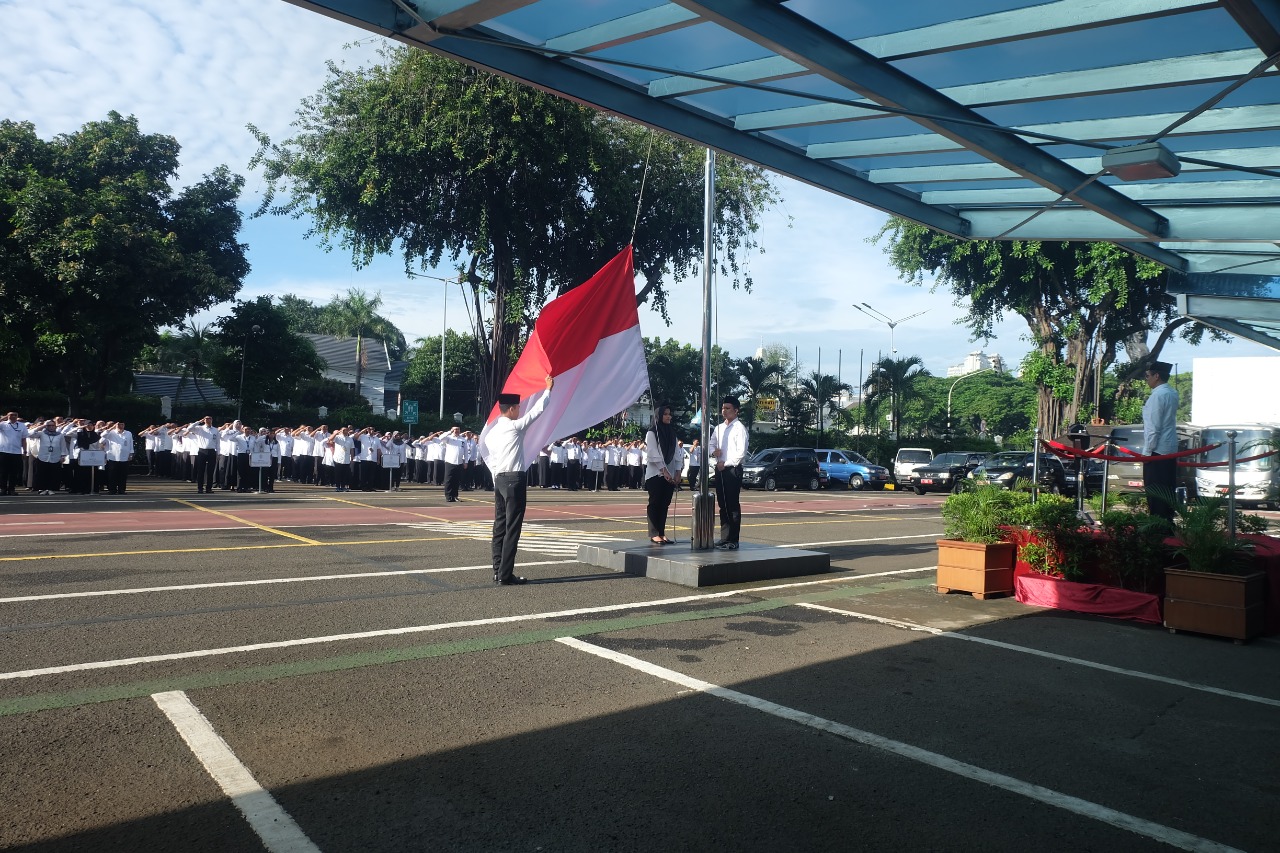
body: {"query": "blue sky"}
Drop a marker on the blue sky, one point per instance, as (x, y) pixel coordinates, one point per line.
(201, 70)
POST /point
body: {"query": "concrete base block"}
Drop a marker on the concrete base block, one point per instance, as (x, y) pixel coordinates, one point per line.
(679, 564)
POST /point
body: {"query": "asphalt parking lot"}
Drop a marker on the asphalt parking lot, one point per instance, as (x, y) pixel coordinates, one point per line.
(319, 671)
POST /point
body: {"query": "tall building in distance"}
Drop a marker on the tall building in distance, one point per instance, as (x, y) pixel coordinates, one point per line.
(975, 361)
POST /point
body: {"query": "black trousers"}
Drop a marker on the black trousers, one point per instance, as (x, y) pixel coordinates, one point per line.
(48, 476)
(452, 474)
(10, 472)
(164, 463)
(205, 460)
(660, 492)
(117, 477)
(1159, 479)
(509, 497)
(728, 496)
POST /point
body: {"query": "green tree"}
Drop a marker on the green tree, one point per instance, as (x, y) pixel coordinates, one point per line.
(276, 361)
(675, 374)
(1083, 304)
(97, 252)
(194, 350)
(760, 379)
(356, 316)
(896, 381)
(823, 390)
(461, 373)
(302, 315)
(430, 158)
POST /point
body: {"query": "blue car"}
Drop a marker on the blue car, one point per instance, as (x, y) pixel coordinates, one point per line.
(846, 469)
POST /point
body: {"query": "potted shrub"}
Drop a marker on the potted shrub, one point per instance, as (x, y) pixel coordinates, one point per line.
(1065, 554)
(975, 556)
(1214, 589)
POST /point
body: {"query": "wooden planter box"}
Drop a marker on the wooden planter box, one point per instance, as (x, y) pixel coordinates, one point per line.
(1222, 605)
(975, 567)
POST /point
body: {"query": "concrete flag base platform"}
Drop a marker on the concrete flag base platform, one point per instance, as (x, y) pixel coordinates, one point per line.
(679, 565)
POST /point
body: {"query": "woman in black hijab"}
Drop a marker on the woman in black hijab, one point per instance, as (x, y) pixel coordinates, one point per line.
(663, 460)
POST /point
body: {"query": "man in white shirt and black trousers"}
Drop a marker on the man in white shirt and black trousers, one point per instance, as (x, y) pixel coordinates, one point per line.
(503, 452)
(728, 446)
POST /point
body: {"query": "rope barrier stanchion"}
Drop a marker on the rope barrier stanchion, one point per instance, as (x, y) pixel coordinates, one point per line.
(1231, 485)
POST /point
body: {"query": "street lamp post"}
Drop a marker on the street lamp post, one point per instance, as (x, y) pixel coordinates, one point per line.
(244, 352)
(884, 318)
(952, 388)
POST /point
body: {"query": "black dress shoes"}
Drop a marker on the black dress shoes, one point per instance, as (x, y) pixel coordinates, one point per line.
(513, 580)
(727, 546)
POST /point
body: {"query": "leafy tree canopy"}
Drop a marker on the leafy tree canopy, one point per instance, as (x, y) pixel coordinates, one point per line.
(1083, 303)
(461, 374)
(432, 159)
(276, 361)
(97, 251)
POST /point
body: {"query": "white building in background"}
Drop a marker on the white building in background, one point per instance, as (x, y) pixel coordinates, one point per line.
(975, 361)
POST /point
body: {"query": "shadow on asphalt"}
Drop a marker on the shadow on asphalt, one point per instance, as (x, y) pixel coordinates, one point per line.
(694, 772)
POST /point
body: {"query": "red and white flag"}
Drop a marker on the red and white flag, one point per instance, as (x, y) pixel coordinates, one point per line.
(589, 340)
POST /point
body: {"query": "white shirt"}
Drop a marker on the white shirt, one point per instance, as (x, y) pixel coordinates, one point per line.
(118, 444)
(655, 464)
(12, 436)
(454, 447)
(1160, 421)
(342, 445)
(50, 446)
(732, 436)
(206, 437)
(503, 446)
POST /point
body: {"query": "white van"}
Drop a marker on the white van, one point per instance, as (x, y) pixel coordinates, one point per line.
(907, 460)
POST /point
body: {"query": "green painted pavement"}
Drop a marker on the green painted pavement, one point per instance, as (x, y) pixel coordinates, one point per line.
(224, 678)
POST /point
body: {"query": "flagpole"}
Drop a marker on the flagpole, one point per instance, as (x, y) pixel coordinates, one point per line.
(703, 504)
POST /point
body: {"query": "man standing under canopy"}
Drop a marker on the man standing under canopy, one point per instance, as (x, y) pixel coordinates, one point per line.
(1160, 436)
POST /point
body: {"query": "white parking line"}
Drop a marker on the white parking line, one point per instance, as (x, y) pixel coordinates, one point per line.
(1084, 808)
(1027, 650)
(259, 582)
(420, 629)
(273, 824)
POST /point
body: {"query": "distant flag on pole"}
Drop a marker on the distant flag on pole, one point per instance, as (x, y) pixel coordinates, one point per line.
(589, 340)
(697, 419)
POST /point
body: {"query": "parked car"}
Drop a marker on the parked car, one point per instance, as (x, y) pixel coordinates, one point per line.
(908, 459)
(946, 472)
(1125, 476)
(1014, 468)
(847, 469)
(782, 467)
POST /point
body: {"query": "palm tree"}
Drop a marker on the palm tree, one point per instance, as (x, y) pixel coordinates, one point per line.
(194, 349)
(895, 380)
(356, 315)
(760, 379)
(823, 390)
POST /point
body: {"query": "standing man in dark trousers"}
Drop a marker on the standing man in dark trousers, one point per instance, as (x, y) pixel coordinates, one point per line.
(206, 437)
(1160, 436)
(503, 453)
(13, 444)
(728, 446)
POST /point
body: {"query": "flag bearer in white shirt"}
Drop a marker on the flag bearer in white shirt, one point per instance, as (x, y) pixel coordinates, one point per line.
(503, 452)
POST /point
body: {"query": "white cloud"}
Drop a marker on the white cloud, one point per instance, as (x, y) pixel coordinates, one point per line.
(200, 70)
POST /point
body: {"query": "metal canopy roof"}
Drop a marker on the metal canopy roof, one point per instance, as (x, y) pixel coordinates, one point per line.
(985, 119)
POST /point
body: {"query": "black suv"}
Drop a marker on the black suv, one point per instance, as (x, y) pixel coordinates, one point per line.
(778, 467)
(946, 471)
(1013, 468)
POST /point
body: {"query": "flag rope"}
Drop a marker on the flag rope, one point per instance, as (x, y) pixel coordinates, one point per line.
(640, 198)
